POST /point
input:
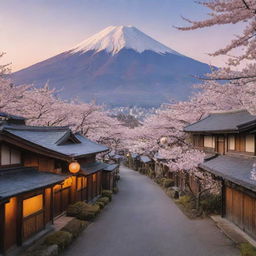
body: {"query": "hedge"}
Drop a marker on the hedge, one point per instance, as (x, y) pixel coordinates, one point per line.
(61, 238)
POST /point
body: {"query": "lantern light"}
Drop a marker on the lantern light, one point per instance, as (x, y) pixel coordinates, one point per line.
(74, 167)
(163, 140)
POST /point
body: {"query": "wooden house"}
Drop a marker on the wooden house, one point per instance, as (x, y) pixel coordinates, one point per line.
(110, 176)
(146, 164)
(35, 183)
(229, 140)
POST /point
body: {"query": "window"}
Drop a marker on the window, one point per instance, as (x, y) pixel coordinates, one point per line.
(231, 142)
(9, 156)
(209, 142)
(81, 183)
(249, 143)
(32, 205)
(67, 183)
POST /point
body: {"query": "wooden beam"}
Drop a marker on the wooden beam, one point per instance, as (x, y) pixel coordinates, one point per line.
(223, 199)
(2, 227)
(19, 233)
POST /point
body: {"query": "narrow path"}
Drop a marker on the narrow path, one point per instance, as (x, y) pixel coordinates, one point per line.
(143, 221)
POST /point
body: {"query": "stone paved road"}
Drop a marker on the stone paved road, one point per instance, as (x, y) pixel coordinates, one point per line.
(143, 221)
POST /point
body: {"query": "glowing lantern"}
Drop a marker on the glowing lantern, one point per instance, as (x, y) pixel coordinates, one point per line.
(163, 140)
(74, 167)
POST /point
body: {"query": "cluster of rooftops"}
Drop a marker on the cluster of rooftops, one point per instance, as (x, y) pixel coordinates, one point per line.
(236, 167)
(56, 142)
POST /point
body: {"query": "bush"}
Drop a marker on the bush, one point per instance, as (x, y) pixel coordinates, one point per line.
(74, 209)
(83, 211)
(61, 238)
(107, 193)
(75, 227)
(104, 200)
(89, 212)
(247, 249)
(43, 250)
(211, 204)
(115, 190)
(168, 183)
(184, 200)
(100, 204)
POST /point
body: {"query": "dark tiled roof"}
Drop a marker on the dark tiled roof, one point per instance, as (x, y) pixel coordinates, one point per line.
(145, 159)
(110, 167)
(9, 116)
(134, 155)
(48, 137)
(23, 179)
(221, 122)
(234, 169)
(91, 168)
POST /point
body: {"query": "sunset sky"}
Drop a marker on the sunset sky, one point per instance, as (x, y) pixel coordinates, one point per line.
(31, 31)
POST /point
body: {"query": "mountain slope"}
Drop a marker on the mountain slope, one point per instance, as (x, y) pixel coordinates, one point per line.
(120, 66)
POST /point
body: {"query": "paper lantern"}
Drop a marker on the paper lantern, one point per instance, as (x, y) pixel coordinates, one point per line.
(74, 167)
(163, 140)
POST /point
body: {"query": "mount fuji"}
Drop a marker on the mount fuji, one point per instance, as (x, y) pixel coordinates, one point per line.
(119, 66)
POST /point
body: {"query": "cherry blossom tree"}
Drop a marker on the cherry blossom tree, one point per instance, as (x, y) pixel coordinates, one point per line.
(232, 12)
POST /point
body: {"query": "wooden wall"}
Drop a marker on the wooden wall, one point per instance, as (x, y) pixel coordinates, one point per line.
(241, 210)
(11, 210)
(41, 162)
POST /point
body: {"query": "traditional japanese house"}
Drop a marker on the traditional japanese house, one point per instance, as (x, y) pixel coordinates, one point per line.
(229, 138)
(110, 176)
(35, 182)
(146, 164)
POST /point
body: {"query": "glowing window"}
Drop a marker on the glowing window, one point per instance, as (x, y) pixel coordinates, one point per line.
(81, 183)
(67, 183)
(32, 205)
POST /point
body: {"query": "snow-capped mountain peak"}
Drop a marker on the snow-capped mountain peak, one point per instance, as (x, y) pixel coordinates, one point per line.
(114, 38)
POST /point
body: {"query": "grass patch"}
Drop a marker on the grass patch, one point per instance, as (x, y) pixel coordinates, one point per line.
(247, 249)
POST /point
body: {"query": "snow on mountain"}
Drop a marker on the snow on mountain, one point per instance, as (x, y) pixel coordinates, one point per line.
(119, 66)
(115, 38)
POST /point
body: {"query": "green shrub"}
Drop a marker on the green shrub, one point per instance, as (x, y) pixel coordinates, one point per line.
(115, 190)
(75, 227)
(100, 204)
(107, 193)
(42, 250)
(247, 249)
(83, 211)
(211, 204)
(89, 212)
(61, 238)
(184, 200)
(168, 183)
(74, 209)
(104, 200)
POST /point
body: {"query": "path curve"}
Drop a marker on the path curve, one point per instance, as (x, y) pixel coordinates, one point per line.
(143, 221)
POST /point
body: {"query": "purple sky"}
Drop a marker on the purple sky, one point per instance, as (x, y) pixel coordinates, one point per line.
(32, 31)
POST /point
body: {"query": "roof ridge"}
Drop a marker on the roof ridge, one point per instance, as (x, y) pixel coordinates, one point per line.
(229, 111)
(36, 128)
